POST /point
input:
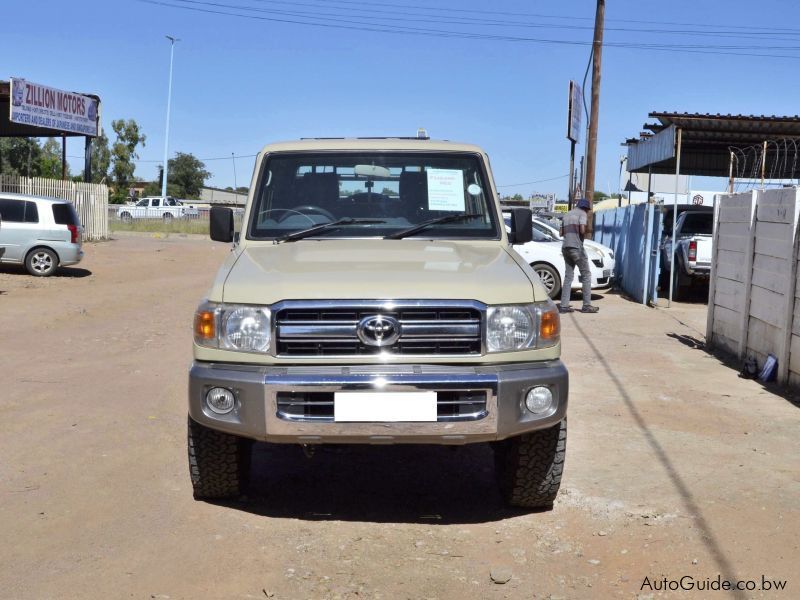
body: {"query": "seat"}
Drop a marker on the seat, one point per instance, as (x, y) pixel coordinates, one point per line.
(413, 195)
(318, 189)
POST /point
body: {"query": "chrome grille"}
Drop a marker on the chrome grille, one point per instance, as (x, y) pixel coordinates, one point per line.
(468, 405)
(331, 330)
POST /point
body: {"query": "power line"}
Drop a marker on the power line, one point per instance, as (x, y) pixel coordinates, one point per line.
(482, 21)
(220, 8)
(532, 182)
(145, 160)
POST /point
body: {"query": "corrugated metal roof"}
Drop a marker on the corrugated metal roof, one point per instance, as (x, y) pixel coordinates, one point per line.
(707, 139)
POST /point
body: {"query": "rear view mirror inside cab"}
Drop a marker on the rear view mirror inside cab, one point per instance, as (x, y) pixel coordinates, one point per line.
(371, 171)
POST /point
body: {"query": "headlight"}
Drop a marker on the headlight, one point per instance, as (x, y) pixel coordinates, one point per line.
(509, 328)
(522, 327)
(233, 327)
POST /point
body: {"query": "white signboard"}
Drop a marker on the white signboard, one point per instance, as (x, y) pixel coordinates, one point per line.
(445, 189)
(42, 106)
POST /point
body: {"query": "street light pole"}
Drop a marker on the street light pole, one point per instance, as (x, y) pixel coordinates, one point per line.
(235, 185)
(172, 41)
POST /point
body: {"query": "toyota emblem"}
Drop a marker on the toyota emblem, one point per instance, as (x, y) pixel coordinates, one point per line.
(378, 330)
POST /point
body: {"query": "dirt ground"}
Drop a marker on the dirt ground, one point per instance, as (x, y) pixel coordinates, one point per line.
(675, 466)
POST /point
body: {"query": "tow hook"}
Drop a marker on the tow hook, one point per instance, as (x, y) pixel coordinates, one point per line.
(308, 450)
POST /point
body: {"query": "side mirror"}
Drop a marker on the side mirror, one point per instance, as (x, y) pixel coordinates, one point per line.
(221, 224)
(521, 226)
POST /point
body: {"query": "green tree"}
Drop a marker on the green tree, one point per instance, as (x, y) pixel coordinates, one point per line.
(154, 187)
(101, 158)
(20, 157)
(123, 155)
(187, 173)
(599, 196)
(50, 160)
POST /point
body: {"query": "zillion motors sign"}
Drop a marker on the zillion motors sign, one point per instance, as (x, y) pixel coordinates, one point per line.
(42, 106)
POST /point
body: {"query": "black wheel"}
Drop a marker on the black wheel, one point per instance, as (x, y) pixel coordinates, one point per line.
(529, 466)
(219, 463)
(41, 262)
(167, 217)
(550, 279)
(126, 217)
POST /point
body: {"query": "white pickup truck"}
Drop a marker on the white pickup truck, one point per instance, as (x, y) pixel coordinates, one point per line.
(156, 207)
(693, 245)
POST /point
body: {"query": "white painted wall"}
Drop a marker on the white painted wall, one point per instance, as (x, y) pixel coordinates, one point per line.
(752, 297)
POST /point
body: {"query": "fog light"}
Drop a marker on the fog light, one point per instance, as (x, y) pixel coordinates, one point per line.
(220, 400)
(539, 400)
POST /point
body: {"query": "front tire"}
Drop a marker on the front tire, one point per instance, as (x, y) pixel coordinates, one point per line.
(167, 217)
(219, 463)
(529, 466)
(550, 279)
(41, 262)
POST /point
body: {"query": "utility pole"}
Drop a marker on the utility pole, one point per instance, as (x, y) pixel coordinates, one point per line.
(597, 58)
(172, 41)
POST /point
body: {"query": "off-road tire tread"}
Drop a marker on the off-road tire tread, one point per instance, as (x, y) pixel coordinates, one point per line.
(219, 463)
(529, 466)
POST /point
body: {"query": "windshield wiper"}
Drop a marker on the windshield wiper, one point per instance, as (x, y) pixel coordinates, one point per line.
(425, 224)
(304, 233)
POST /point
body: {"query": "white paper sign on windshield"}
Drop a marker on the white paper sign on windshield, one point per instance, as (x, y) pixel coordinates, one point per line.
(445, 189)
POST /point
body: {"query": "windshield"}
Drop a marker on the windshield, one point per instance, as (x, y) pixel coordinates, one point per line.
(400, 189)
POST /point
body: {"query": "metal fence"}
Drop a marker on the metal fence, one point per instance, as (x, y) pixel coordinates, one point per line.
(634, 233)
(90, 199)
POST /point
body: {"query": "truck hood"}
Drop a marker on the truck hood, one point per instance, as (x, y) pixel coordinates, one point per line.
(377, 269)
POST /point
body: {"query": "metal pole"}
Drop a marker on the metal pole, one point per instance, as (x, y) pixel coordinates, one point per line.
(172, 41)
(571, 176)
(235, 185)
(63, 156)
(763, 163)
(674, 219)
(591, 151)
(87, 160)
(619, 184)
(730, 173)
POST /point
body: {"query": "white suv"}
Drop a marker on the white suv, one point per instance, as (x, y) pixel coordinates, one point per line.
(41, 233)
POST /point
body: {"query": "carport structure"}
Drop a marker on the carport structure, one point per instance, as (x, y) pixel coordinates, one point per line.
(747, 147)
(10, 127)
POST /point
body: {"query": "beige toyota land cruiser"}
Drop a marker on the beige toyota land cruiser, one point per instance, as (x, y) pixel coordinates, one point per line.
(372, 296)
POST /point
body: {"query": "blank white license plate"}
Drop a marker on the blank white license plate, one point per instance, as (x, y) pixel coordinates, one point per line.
(383, 407)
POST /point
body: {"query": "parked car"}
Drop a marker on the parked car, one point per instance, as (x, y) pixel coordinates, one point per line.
(156, 207)
(41, 233)
(544, 256)
(607, 254)
(693, 245)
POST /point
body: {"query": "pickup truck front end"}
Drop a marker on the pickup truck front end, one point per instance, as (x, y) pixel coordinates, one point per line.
(373, 297)
(449, 403)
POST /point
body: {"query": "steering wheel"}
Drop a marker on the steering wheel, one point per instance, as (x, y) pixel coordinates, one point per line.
(308, 208)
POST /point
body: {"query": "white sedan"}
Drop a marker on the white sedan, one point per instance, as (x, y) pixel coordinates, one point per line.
(544, 256)
(609, 262)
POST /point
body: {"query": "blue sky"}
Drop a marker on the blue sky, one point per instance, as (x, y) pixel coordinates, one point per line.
(241, 83)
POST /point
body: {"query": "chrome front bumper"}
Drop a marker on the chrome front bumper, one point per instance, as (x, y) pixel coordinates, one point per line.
(256, 414)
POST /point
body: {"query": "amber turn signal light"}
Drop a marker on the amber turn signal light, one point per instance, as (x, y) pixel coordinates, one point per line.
(204, 325)
(550, 325)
